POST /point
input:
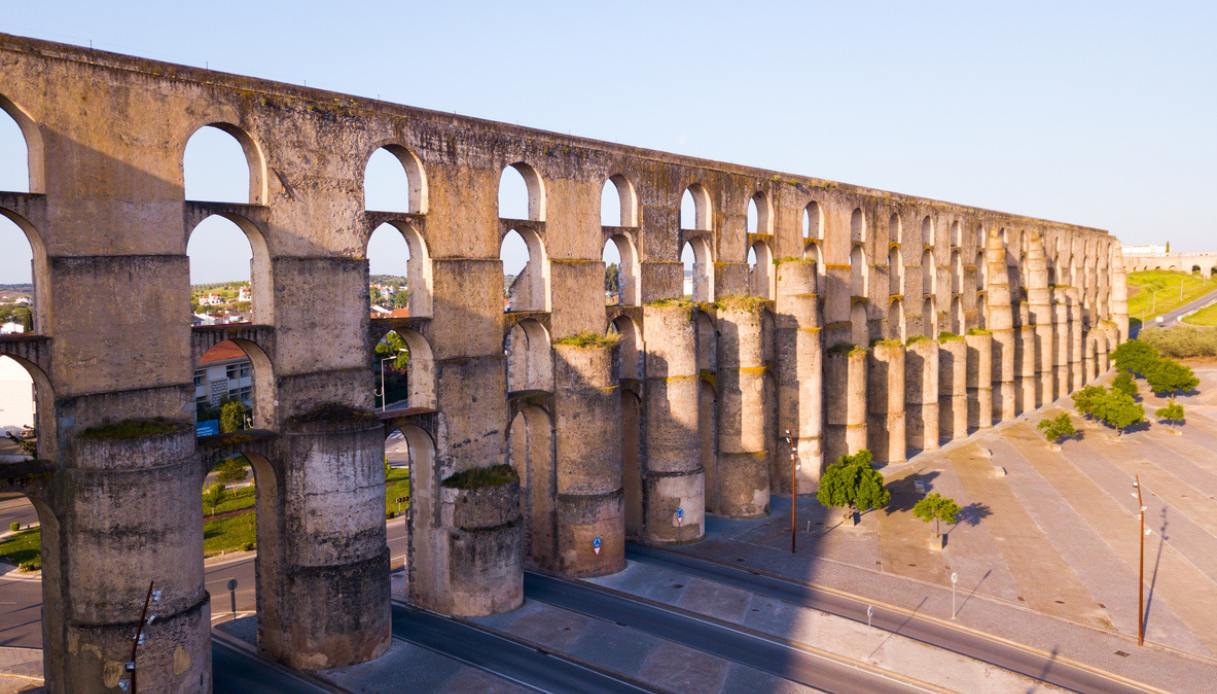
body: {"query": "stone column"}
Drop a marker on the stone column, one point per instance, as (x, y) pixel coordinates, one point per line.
(921, 394)
(885, 391)
(672, 473)
(999, 320)
(1060, 342)
(800, 380)
(1089, 354)
(588, 459)
(1039, 304)
(331, 607)
(1026, 367)
(845, 401)
(743, 464)
(1076, 377)
(1119, 293)
(953, 388)
(1105, 330)
(127, 514)
(980, 379)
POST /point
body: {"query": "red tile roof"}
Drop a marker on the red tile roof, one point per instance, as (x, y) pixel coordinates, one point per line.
(225, 351)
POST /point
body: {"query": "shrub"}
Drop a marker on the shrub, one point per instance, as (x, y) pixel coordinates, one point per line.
(1171, 414)
(232, 416)
(248, 547)
(1119, 411)
(213, 496)
(14, 526)
(1125, 383)
(1135, 356)
(1086, 400)
(233, 470)
(936, 507)
(30, 566)
(1182, 342)
(1057, 428)
(1168, 376)
(851, 482)
(479, 477)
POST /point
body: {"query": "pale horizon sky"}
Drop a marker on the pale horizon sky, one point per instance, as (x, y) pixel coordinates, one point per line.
(1100, 114)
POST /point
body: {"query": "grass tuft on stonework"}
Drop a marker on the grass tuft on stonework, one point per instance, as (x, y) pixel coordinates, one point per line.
(588, 340)
(482, 477)
(978, 331)
(333, 412)
(135, 428)
(948, 336)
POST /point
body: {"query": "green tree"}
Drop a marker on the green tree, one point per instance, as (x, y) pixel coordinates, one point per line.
(1169, 377)
(232, 416)
(1087, 400)
(852, 483)
(401, 299)
(213, 496)
(1135, 356)
(1057, 428)
(936, 507)
(233, 470)
(1125, 383)
(612, 279)
(1119, 411)
(1172, 413)
(394, 345)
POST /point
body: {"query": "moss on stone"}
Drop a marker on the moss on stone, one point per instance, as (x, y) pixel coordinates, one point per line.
(332, 412)
(915, 339)
(978, 331)
(890, 342)
(740, 302)
(135, 428)
(588, 340)
(948, 336)
(482, 477)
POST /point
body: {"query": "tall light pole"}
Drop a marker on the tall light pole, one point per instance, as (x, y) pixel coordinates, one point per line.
(384, 396)
(1141, 570)
(794, 490)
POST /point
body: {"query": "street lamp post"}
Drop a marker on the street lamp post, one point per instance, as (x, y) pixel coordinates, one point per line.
(794, 490)
(384, 396)
(1141, 564)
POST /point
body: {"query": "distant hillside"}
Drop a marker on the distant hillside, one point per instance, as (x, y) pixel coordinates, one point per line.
(17, 288)
(387, 279)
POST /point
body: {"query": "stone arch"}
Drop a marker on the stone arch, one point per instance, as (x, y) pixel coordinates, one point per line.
(629, 271)
(530, 289)
(419, 279)
(929, 318)
(263, 396)
(857, 226)
(530, 450)
(859, 272)
(627, 369)
(34, 152)
(958, 320)
(261, 283)
(927, 231)
(760, 270)
(415, 201)
(530, 365)
(626, 199)
(45, 419)
(695, 207)
(697, 257)
(813, 222)
(895, 229)
(895, 270)
(895, 321)
(956, 235)
(929, 273)
(255, 160)
(420, 370)
(422, 512)
(859, 329)
(956, 272)
(759, 219)
(39, 269)
(630, 360)
(534, 189)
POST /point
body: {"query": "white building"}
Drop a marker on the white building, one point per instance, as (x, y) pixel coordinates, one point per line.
(224, 373)
(16, 396)
(11, 328)
(1151, 250)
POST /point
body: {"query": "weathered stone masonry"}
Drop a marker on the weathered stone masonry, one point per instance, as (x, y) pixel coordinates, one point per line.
(636, 440)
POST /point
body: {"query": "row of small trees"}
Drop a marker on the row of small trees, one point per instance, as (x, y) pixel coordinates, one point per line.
(854, 484)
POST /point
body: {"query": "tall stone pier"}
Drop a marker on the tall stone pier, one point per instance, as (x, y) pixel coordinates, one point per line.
(885, 394)
(980, 379)
(921, 410)
(800, 375)
(953, 388)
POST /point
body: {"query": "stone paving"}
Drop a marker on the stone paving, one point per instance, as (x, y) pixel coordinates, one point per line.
(1048, 534)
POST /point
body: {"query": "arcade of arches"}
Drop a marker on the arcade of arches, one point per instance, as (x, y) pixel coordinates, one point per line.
(586, 440)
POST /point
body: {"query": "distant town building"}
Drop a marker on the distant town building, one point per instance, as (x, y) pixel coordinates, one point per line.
(11, 328)
(16, 396)
(1147, 250)
(224, 373)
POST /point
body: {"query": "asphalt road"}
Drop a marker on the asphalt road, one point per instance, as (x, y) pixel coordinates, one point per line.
(17, 509)
(511, 660)
(1170, 317)
(968, 643)
(234, 670)
(729, 642)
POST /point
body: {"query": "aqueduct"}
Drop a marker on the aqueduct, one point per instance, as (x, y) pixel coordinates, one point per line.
(867, 319)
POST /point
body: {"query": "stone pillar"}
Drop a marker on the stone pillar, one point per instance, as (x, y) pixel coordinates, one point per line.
(1105, 329)
(1026, 367)
(1089, 361)
(953, 388)
(1119, 293)
(980, 379)
(588, 458)
(999, 321)
(743, 465)
(1039, 304)
(331, 605)
(1060, 342)
(921, 395)
(672, 473)
(128, 513)
(845, 401)
(1076, 376)
(885, 391)
(799, 363)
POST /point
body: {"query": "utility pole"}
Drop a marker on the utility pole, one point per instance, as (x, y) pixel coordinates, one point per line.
(794, 490)
(1141, 571)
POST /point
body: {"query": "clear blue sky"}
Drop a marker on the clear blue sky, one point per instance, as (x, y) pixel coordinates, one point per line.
(1096, 113)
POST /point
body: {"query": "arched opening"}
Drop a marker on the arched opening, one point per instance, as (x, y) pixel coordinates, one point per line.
(618, 203)
(525, 271)
(927, 231)
(17, 157)
(621, 271)
(895, 269)
(895, 230)
(530, 366)
(929, 319)
(234, 389)
(21, 264)
(813, 222)
(31, 547)
(981, 270)
(858, 273)
(229, 273)
(956, 272)
(404, 371)
(394, 181)
(895, 321)
(629, 369)
(956, 235)
(222, 163)
(929, 273)
(698, 265)
(859, 328)
(27, 412)
(530, 450)
(957, 316)
(399, 272)
(706, 350)
(521, 193)
(760, 270)
(857, 226)
(1195, 269)
(695, 208)
(760, 216)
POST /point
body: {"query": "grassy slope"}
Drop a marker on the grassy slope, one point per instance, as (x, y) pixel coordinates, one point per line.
(22, 547)
(1206, 316)
(1142, 287)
